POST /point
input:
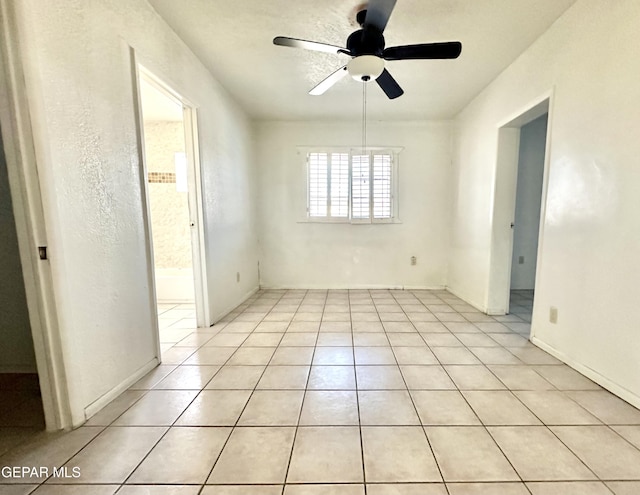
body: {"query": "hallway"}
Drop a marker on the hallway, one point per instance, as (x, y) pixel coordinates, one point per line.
(345, 393)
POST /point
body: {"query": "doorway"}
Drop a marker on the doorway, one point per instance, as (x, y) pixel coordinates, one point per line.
(519, 198)
(174, 214)
(21, 409)
(526, 222)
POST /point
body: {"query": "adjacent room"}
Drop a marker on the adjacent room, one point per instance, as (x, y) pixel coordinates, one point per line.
(299, 248)
(172, 218)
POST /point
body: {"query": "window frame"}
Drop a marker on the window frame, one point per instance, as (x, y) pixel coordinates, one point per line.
(393, 152)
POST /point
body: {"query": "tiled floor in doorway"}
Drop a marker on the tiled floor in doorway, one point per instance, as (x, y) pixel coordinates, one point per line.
(346, 393)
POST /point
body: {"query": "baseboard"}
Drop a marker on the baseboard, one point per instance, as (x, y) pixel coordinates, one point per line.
(590, 373)
(98, 404)
(352, 287)
(424, 287)
(221, 314)
(495, 312)
(468, 300)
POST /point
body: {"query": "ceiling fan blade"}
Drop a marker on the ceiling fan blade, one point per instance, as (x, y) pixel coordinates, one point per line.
(308, 45)
(451, 49)
(389, 85)
(329, 81)
(378, 13)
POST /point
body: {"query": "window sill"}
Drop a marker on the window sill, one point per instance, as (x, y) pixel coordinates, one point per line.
(349, 222)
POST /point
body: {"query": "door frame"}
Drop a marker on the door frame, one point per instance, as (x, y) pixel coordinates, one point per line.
(196, 214)
(28, 211)
(195, 196)
(504, 204)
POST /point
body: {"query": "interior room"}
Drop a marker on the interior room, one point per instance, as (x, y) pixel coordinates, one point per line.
(339, 247)
(21, 409)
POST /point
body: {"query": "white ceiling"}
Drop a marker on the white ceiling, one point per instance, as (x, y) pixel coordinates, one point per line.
(234, 40)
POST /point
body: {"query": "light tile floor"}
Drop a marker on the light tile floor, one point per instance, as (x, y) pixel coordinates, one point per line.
(378, 392)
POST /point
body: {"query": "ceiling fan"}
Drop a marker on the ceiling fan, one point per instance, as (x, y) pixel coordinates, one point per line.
(366, 46)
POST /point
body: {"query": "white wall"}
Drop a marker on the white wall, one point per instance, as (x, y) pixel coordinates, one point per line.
(589, 268)
(16, 350)
(527, 213)
(78, 76)
(299, 254)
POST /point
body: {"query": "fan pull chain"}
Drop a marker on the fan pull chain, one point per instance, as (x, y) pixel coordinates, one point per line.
(364, 118)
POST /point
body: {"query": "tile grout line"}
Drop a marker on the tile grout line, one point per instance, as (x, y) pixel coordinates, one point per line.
(424, 431)
(542, 425)
(476, 414)
(297, 425)
(235, 425)
(180, 415)
(427, 344)
(355, 377)
(480, 420)
(530, 366)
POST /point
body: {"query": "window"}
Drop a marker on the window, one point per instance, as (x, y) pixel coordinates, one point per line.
(352, 186)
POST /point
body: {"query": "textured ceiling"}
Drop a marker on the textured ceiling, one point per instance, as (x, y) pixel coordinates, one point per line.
(234, 40)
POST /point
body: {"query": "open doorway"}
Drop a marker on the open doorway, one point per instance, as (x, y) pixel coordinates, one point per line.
(174, 213)
(519, 198)
(21, 409)
(526, 222)
(31, 343)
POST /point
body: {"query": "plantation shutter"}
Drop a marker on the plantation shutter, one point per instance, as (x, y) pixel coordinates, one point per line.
(352, 186)
(318, 193)
(360, 187)
(339, 185)
(382, 199)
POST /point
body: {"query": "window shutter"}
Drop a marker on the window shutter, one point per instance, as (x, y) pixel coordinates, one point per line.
(318, 194)
(382, 186)
(360, 187)
(352, 186)
(340, 185)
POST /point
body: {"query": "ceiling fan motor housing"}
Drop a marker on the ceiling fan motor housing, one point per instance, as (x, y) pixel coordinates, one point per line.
(366, 45)
(366, 41)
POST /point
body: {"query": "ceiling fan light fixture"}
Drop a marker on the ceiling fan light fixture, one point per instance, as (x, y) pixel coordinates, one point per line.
(365, 67)
(369, 52)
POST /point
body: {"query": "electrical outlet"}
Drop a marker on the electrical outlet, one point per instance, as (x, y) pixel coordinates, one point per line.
(414, 260)
(521, 260)
(553, 314)
(237, 276)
